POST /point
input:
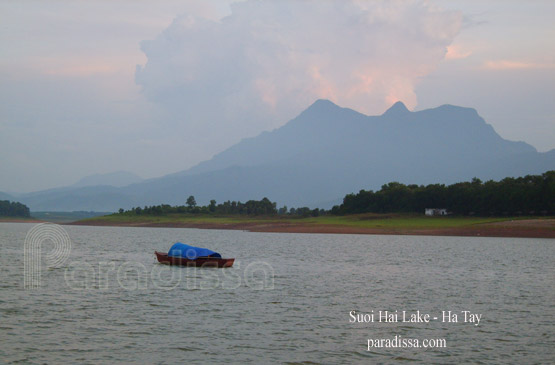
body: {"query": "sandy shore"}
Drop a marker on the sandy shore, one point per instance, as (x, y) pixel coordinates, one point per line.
(532, 228)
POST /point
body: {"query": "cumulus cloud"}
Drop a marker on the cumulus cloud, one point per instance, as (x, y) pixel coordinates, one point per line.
(268, 60)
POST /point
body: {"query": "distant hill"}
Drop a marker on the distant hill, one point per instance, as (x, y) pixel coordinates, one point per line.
(100, 198)
(94, 193)
(118, 179)
(5, 196)
(324, 153)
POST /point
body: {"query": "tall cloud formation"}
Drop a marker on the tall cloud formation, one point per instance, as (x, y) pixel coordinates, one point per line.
(268, 60)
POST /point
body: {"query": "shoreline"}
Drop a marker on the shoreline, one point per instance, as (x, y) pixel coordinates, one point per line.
(515, 229)
(20, 220)
(526, 228)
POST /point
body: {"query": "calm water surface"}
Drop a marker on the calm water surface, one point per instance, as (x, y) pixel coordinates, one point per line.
(286, 300)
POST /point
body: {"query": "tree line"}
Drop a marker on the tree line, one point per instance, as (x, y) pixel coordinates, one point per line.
(13, 209)
(528, 195)
(252, 207)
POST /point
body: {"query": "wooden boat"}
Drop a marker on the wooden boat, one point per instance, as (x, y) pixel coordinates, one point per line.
(219, 262)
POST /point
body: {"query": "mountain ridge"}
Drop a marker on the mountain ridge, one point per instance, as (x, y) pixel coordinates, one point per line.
(326, 152)
(116, 178)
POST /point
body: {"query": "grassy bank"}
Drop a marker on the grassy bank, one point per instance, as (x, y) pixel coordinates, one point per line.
(18, 219)
(65, 217)
(402, 221)
(359, 224)
(358, 220)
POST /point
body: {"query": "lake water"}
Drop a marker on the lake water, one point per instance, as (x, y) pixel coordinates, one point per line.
(287, 299)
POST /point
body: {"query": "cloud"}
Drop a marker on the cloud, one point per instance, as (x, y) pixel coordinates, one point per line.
(456, 52)
(514, 65)
(268, 60)
(79, 66)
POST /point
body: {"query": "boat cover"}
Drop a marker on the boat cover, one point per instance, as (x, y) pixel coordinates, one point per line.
(190, 252)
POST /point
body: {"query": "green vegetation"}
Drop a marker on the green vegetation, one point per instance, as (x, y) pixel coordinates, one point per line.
(529, 195)
(365, 221)
(13, 209)
(263, 207)
(394, 207)
(402, 221)
(177, 218)
(64, 217)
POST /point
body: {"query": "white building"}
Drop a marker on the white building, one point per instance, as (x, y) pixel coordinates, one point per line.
(435, 211)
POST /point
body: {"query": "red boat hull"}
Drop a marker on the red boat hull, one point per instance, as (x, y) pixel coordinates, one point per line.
(163, 258)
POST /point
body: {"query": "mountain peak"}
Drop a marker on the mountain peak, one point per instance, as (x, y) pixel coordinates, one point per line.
(322, 105)
(321, 109)
(397, 109)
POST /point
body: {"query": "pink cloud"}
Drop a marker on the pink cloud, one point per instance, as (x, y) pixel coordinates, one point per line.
(280, 56)
(514, 65)
(455, 52)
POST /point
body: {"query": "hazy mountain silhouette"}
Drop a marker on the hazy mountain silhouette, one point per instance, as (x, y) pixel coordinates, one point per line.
(326, 152)
(117, 178)
(5, 196)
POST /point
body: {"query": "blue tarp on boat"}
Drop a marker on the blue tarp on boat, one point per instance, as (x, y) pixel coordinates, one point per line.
(190, 252)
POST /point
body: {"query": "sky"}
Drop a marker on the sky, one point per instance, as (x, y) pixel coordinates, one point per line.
(153, 88)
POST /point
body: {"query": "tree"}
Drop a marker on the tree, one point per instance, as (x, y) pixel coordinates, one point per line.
(13, 209)
(283, 210)
(191, 202)
(212, 206)
(531, 194)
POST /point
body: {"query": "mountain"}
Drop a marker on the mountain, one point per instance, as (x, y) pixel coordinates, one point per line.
(100, 198)
(98, 193)
(118, 179)
(324, 153)
(5, 196)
